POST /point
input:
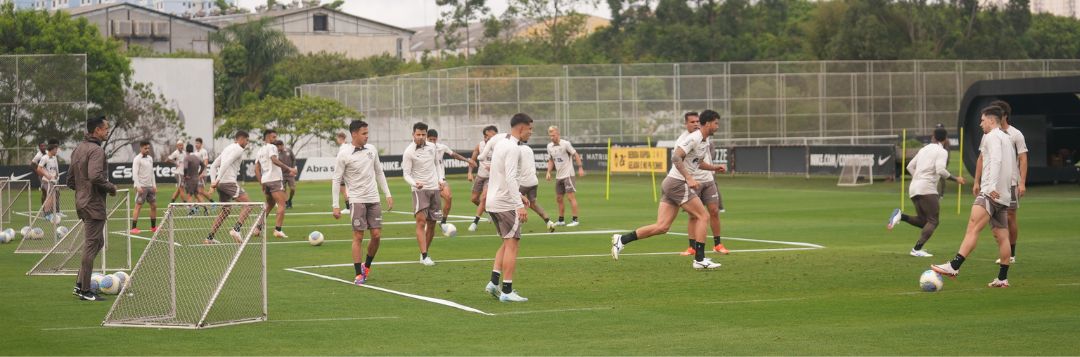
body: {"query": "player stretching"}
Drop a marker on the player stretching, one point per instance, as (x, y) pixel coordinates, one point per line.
(360, 170)
(1019, 178)
(268, 172)
(505, 207)
(420, 167)
(142, 172)
(926, 167)
(679, 190)
(479, 188)
(226, 168)
(708, 192)
(441, 150)
(560, 152)
(529, 183)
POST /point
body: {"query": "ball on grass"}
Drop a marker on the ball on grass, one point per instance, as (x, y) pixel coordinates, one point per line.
(4, 237)
(37, 233)
(109, 285)
(315, 238)
(449, 230)
(61, 231)
(930, 281)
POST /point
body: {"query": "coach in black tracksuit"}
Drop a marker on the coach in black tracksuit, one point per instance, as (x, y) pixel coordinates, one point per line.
(88, 178)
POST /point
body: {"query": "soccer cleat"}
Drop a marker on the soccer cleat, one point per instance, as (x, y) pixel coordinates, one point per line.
(920, 253)
(573, 224)
(705, 264)
(492, 289)
(688, 251)
(280, 234)
(1011, 260)
(945, 269)
(135, 231)
(560, 223)
(90, 296)
(512, 297)
(427, 261)
(153, 229)
(472, 227)
(719, 248)
(236, 235)
(362, 278)
(893, 219)
(616, 245)
(997, 283)
(345, 211)
(75, 291)
(551, 226)
(210, 241)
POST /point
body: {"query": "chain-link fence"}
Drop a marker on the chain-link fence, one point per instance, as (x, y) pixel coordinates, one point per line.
(36, 93)
(777, 101)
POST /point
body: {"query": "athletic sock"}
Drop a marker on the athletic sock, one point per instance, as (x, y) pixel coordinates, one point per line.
(691, 243)
(699, 251)
(423, 255)
(561, 219)
(368, 260)
(358, 267)
(905, 218)
(957, 261)
(277, 228)
(716, 240)
(443, 220)
(508, 286)
(476, 220)
(153, 223)
(918, 246)
(574, 219)
(495, 276)
(1003, 272)
(134, 223)
(629, 237)
(1013, 248)
(237, 226)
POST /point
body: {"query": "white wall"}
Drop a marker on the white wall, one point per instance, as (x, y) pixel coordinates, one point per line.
(188, 85)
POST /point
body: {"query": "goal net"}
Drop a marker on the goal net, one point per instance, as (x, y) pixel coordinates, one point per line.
(856, 174)
(56, 214)
(65, 257)
(202, 268)
(13, 193)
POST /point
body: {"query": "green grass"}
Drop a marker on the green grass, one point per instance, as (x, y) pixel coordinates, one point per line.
(859, 295)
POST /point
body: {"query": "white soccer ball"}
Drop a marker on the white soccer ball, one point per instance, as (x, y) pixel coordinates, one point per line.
(10, 232)
(122, 277)
(449, 230)
(930, 281)
(53, 217)
(315, 238)
(109, 285)
(95, 281)
(37, 233)
(24, 231)
(61, 231)
(4, 237)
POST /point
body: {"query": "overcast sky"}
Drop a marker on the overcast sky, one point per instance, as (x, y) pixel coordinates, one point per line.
(410, 13)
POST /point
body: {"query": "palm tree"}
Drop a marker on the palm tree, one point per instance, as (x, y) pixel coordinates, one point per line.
(248, 52)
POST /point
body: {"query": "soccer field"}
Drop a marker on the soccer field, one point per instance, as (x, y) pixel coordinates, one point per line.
(813, 271)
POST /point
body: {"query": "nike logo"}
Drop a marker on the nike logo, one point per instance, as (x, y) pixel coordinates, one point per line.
(20, 177)
(882, 161)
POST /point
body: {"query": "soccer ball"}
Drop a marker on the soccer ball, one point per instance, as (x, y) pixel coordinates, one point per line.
(930, 281)
(5, 237)
(122, 277)
(95, 281)
(109, 285)
(315, 238)
(61, 231)
(10, 232)
(449, 230)
(54, 218)
(24, 231)
(37, 233)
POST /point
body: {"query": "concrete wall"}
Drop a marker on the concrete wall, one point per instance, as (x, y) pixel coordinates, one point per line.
(183, 35)
(353, 46)
(346, 34)
(188, 85)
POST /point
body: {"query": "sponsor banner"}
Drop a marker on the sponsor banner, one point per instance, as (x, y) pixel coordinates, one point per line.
(830, 159)
(638, 160)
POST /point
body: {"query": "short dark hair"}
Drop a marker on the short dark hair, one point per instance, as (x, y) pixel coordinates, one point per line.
(489, 128)
(268, 132)
(520, 118)
(994, 111)
(144, 143)
(1005, 107)
(241, 134)
(189, 148)
(94, 123)
(54, 141)
(940, 134)
(198, 140)
(687, 116)
(51, 147)
(432, 133)
(707, 116)
(419, 126)
(356, 125)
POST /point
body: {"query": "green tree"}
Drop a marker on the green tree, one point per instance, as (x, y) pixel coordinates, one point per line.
(146, 116)
(248, 53)
(456, 15)
(298, 120)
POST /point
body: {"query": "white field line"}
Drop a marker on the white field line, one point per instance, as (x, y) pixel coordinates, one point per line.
(71, 328)
(340, 319)
(556, 310)
(1069, 284)
(368, 236)
(395, 292)
(756, 300)
(801, 244)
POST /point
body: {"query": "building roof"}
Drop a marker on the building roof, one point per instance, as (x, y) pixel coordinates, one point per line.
(87, 10)
(226, 20)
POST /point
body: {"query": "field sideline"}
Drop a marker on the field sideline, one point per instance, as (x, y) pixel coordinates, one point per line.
(813, 272)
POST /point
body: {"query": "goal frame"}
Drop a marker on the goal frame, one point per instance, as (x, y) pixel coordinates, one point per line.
(850, 174)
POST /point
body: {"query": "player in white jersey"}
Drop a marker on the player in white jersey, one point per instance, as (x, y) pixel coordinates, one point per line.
(561, 155)
(506, 206)
(420, 168)
(360, 170)
(679, 191)
(343, 146)
(268, 171)
(49, 171)
(176, 158)
(992, 199)
(1019, 182)
(443, 150)
(530, 184)
(708, 191)
(203, 156)
(142, 173)
(35, 162)
(226, 169)
(479, 188)
(926, 168)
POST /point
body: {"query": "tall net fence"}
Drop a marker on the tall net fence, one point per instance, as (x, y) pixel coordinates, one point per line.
(36, 93)
(778, 102)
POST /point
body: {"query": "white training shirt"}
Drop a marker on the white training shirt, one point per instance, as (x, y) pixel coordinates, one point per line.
(420, 164)
(227, 166)
(503, 185)
(37, 158)
(700, 174)
(926, 168)
(177, 157)
(51, 166)
(695, 148)
(269, 171)
(345, 148)
(360, 170)
(487, 151)
(482, 168)
(999, 157)
(527, 167)
(441, 150)
(203, 155)
(142, 171)
(563, 155)
(1020, 145)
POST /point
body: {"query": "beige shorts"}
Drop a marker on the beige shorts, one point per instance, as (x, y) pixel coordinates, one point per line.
(709, 193)
(229, 191)
(148, 195)
(290, 182)
(427, 201)
(366, 216)
(999, 217)
(1015, 203)
(564, 186)
(506, 224)
(676, 192)
(529, 192)
(479, 183)
(191, 186)
(272, 186)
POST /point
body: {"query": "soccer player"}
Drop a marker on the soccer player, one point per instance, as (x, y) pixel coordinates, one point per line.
(194, 169)
(420, 167)
(88, 176)
(286, 156)
(442, 150)
(680, 190)
(708, 192)
(142, 171)
(560, 153)
(204, 157)
(926, 168)
(49, 171)
(992, 199)
(529, 184)
(176, 158)
(479, 189)
(344, 146)
(226, 168)
(360, 170)
(1019, 182)
(506, 208)
(268, 170)
(35, 163)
